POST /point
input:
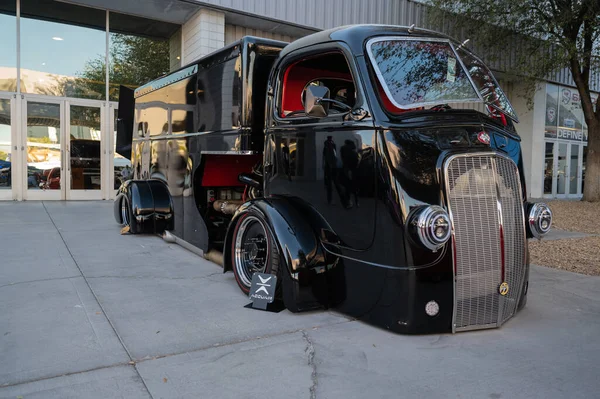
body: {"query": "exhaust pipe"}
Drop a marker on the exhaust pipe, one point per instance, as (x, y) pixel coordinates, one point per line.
(227, 207)
(170, 238)
(213, 255)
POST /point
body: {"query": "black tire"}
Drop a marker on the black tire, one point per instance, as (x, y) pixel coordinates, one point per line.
(253, 249)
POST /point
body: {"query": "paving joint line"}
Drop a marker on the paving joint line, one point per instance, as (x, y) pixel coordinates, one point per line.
(134, 362)
(65, 374)
(131, 360)
(155, 277)
(38, 281)
(242, 341)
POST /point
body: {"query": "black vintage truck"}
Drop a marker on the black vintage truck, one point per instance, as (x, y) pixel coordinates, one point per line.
(374, 169)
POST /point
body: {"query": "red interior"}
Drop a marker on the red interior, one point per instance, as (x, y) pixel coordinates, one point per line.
(223, 170)
(296, 78)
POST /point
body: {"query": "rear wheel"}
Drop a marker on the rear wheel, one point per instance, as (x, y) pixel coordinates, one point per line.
(253, 250)
(125, 212)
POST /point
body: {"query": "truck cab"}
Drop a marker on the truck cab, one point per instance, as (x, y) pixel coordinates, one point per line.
(373, 169)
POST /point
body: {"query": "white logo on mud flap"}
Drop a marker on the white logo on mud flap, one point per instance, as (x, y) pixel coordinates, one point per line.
(263, 285)
(262, 289)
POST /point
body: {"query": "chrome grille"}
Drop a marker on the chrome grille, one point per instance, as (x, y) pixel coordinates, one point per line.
(485, 202)
(513, 223)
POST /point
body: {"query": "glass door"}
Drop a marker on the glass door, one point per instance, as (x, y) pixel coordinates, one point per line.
(43, 150)
(575, 170)
(84, 149)
(549, 181)
(583, 163)
(8, 148)
(562, 171)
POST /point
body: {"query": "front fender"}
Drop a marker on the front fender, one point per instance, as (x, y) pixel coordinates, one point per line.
(310, 276)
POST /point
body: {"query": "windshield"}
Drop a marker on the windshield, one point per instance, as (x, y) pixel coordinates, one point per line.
(419, 72)
(488, 88)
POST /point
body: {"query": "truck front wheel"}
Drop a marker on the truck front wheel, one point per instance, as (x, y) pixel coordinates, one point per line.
(253, 250)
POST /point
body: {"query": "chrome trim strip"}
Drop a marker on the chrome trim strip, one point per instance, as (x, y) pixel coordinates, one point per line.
(176, 136)
(228, 152)
(479, 327)
(526, 247)
(165, 81)
(501, 299)
(454, 307)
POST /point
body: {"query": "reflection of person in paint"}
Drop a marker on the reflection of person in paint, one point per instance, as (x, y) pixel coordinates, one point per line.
(331, 171)
(350, 161)
(286, 161)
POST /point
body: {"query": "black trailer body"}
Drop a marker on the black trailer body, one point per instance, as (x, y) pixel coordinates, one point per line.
(196, 130)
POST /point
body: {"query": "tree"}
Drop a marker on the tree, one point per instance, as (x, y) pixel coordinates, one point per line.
(134, 60)
(548, 35)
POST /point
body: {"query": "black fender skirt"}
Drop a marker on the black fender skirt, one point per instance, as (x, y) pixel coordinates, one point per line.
(150, 206)
(311, 277)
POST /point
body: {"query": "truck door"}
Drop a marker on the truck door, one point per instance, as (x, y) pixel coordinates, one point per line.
(328, 162)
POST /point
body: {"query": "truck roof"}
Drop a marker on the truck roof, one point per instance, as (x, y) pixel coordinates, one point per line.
(355, 35)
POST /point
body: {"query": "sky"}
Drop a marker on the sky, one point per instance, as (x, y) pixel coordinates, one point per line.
(40, 52)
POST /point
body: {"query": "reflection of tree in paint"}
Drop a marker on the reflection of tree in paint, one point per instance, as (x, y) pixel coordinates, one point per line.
(417, 72)
(134, 60)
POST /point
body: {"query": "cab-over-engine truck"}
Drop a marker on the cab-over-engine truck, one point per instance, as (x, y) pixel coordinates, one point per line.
(374, 169)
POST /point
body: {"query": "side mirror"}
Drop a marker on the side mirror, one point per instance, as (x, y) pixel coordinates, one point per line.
(313, 104)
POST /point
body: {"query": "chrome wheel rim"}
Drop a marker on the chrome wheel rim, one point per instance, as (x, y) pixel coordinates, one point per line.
(251, 249)
(124, 213)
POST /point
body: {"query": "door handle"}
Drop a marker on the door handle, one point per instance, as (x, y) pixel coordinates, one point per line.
(268, 167)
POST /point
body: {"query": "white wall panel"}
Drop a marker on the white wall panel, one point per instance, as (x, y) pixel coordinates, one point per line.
(234, 33)
(202, 34)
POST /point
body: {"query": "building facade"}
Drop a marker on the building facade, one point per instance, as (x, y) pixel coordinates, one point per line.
(63, 63)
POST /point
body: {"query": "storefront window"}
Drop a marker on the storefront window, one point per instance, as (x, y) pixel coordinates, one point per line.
(5, 145)
(139, 51)
(551, 110)
(8, 46)
(570, 115)
(63, 49)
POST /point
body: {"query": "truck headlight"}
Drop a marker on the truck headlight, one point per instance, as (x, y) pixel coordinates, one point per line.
(432, 226)
(540, 219)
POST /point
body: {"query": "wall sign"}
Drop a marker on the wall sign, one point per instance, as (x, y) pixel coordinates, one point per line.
(564, 115)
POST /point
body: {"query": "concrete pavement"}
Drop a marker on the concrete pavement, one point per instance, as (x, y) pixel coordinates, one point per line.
(88, 313)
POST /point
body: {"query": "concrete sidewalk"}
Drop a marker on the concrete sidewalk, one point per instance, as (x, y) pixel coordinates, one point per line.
(88, 313)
